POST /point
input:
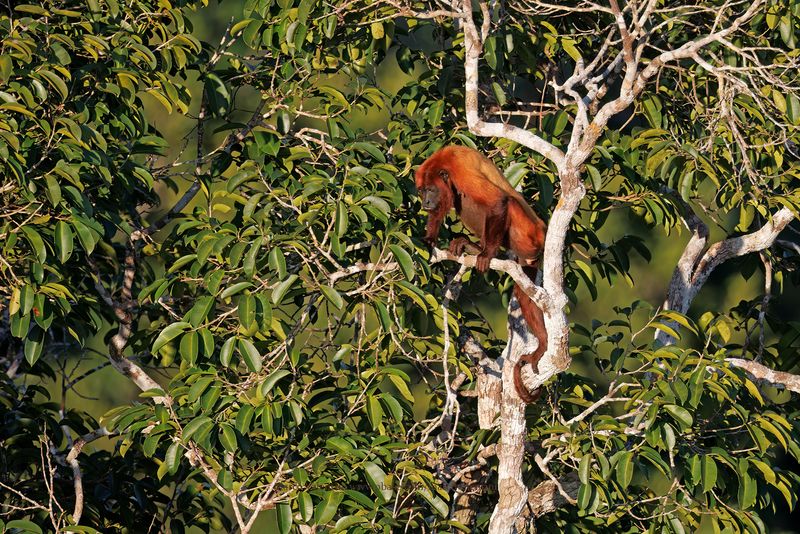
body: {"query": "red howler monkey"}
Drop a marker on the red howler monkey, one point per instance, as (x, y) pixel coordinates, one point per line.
(462, 178)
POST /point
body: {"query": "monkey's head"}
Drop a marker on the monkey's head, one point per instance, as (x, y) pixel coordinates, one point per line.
(431, 197)
(433, 186)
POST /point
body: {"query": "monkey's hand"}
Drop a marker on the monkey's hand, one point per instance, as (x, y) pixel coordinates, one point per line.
(458, 245)
(482, 262)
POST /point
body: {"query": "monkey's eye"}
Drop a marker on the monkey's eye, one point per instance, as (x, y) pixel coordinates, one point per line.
(443, 174)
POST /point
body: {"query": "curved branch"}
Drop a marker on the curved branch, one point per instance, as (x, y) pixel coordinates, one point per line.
(733, 247)
(694, 266)
(473, 46)
(761, 372)
(77, 476)
(549, 496)
(510, 267)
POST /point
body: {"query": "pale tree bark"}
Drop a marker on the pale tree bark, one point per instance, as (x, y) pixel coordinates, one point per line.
(697, 261)
(696, 264)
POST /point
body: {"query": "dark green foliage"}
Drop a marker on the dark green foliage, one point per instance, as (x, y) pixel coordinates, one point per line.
(286, 308)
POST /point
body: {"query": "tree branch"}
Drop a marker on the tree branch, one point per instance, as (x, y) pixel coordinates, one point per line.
(473, 46)
(762, 372)
(77, 476)
(510, 267)
(692, 273)
(546, 497)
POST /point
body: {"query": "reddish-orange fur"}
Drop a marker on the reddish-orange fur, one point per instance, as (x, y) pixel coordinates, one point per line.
(496, 213)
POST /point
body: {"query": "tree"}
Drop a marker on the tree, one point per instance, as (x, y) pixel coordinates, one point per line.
(302, 358)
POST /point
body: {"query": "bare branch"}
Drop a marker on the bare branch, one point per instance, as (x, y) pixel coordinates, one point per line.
(762, 372)
(473, 46)
(546, 497)
(512, 268)
(691, 273)
(72, 461)
(681, 277)
(361, 267)
(722, 251)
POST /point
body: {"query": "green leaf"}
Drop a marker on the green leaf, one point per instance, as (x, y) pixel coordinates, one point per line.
(173, 458)
(53, 189)
(305, 504)
(667, 329)
(404, 260)
(333, 296)
(6, 67)
(199, 387)
(339, 445)
(181, 262)
(272, 379)
(793, 108)
(284, 518)
(668, 434)
(249, 265)
(748, 487)
(585, 496)
(196, 426)
(376, 28)
(250, 355)
(217, 95)
(20, 325)
(344, 523)
(277, 262)
(234, 289)
(681, 415)
(376, 478)
(515, 172)
(402, 387)
(624, 469)
(33, 345)
(341, 219)
(569, 47)
(36, 242)
(226, 351)
(490, 51)
(22, 524)
(227, 437)
(281, 289)
(708, 472)
(225, 479)
(55, 82)
(247, 310)
(436, 502)
(150, 445)
(26, 299)
(244, 417)
(583, 468)
(370, 149)
(202, 307)
(168, 334)
(676, 525)
(85, 236)
(394, 407)
(374, 412)
(189, 347)
(327, 507)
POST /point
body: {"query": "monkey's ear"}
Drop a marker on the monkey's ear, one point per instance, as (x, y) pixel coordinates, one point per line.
(444, 175)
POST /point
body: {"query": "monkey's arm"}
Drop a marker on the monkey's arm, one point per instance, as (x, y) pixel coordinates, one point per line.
(432, 228)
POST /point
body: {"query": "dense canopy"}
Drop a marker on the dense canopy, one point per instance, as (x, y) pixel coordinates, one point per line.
(217, 312)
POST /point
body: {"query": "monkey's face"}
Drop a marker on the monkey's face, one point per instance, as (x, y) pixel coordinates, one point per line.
(431, 197)
(431, 183)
